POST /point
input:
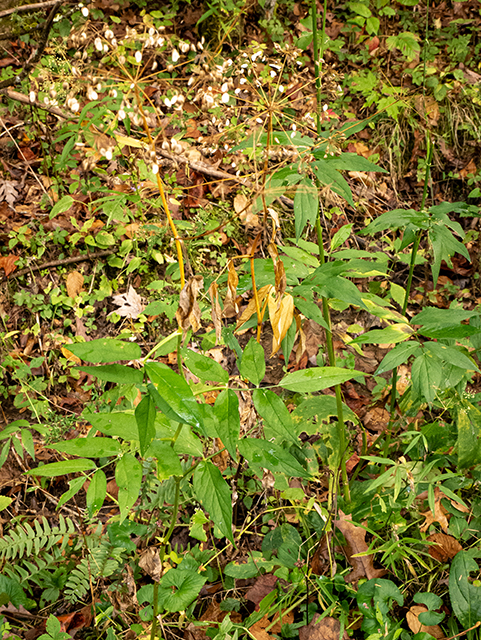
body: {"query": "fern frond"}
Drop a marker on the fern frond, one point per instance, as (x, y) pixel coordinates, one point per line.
(22, 540)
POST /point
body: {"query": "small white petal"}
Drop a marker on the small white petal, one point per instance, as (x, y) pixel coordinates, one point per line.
(138, 57)
(175, 56)
(98, 44)
(225, 98)
(85, 12)
(31, 96)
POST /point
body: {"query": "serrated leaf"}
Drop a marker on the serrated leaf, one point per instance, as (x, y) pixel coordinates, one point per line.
(275, 414)
(62, 468)
(174, 396)
(145, 417)
(226, 409)
(96, 491)
(206, 369)
(270, 455)
(317, 378)
(128, 476)
(90, 447)
(214, 494)
(118, 373)
(399, 355)
(106, 350)
(253, 364)
(168, 463)
(117, 423)
(306, 205)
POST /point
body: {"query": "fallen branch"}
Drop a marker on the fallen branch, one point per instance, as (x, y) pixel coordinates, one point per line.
(58, 263)
(20, 97)
(28, 7)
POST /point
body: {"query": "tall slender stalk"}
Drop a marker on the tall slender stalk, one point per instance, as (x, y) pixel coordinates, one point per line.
(412, 264)
(318, 53)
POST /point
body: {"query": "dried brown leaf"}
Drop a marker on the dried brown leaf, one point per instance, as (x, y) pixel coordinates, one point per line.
(355, 544)
(130, 304)
(188, 313)
(412, 618)
(440, 514)
(231, 308)
(216, 311)
(75, 283)
(446, 547)
(150, 563)
(7, 263)
(281, 315)
(326, 629)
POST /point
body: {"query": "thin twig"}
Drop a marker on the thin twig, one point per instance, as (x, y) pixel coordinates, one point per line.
(20, 97)
(36, 53)
(28, 7)
(58, 263)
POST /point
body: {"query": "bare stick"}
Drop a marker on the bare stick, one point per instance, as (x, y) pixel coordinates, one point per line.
(58, 263)
(20, 97)
(28, 7)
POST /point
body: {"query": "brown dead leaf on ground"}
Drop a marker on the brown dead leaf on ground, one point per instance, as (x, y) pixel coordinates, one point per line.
(412, 618)
(356, 543)
(7, 263)
(376, 419)
(258, 630)
(130, 304)
(446, 547)
(326, 629)
(261, 588)
(216, 311)
(440, 514)
(75, 283)
(213, 614)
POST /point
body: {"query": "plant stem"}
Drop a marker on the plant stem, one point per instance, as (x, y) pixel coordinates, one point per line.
(412, 264)
(322, 257)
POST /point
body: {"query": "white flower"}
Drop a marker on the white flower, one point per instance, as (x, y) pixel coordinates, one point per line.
(225, 98)
(155, 169)
(325, 107)
(175, 56)
(85, 12)
(108, 154)
(138, 57)
(98, 44)
(31, 96)
(122, 115)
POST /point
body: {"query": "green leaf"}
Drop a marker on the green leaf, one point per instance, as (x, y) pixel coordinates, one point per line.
(306, 205)
(328, 175)
(174, 397)
(251, 568)
(310, 309)
(390, 335)
(341, 236)
(14, 591)
(168, 463)
(5, 502)
(444, 246)
(89, 447)
(178, 588)
(275, 414)
(118, 373)
(469, 434)
(426, 373)
(353, 162)
(96, 492)
(214, 494)
(197, 523)
(452, 355)
(75, 485)
(128, 476)
(317, 378)
(253, 364)
(117, 423)
(445, 323)
(360, 8)
(465, 597)
(399, 355)
(396, 219)
(106, 350)
(206, 369)
(272, 456)
(27, 442)
(145, 417)
(226, 409)
(337, 287)
(64, 203)
(62, 468)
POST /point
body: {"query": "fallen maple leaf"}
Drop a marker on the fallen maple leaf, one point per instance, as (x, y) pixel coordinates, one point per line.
(130, 304)
(356, 544)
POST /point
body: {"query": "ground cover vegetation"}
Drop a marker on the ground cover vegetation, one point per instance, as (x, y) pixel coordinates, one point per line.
(240, 320)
